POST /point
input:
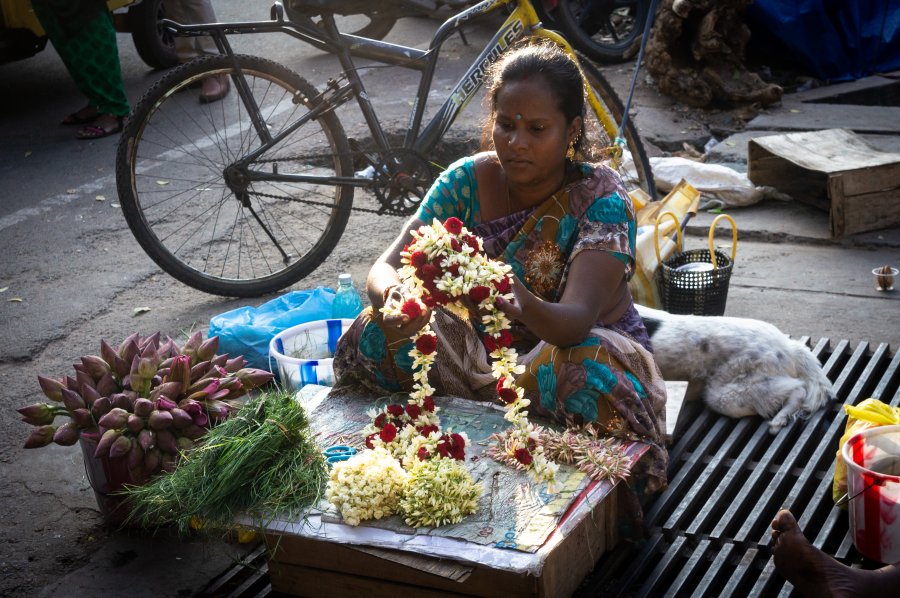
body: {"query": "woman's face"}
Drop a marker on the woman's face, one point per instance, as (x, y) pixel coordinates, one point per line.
(530, 132)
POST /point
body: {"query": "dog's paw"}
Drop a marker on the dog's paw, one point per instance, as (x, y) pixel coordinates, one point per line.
(777, 423)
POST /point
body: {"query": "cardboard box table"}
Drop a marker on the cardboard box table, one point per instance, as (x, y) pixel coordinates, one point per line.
(834, 170)
(523, 541)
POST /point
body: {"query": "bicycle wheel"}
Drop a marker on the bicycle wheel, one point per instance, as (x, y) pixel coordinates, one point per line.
(187, 186)
(639, 175)
(603, 29)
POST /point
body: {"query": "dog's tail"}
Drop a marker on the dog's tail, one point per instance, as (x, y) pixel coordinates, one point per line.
(818, 387)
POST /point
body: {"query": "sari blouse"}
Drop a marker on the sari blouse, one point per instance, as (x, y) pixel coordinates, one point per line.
(539, 243)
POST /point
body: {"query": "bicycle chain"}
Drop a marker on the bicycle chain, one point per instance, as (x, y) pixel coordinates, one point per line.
(313, 202)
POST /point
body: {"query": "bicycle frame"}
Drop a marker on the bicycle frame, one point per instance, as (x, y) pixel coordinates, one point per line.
(522, 21)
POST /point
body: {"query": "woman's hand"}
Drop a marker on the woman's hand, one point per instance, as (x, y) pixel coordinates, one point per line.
(515, 308)
(402, 323)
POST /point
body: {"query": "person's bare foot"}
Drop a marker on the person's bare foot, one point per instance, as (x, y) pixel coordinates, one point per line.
(214, 88)
(814, 573)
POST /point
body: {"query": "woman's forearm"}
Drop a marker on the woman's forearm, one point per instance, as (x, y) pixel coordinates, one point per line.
(560, 324)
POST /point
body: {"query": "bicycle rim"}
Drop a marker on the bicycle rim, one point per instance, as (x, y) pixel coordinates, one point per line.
(604, 34)
(635, 172)
(196, 214)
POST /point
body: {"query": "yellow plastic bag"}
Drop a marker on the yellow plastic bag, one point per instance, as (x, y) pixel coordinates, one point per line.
(680, 201)
(868, 414)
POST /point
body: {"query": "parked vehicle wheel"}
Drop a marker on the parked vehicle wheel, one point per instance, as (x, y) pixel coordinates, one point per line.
(153, 43)
(603, 29)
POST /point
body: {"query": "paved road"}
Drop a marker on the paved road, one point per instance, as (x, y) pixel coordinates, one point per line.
(71, 274)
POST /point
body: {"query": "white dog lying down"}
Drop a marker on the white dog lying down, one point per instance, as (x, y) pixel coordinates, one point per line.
(745, 366)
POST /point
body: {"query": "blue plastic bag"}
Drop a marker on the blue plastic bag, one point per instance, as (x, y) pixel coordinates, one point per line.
(248, 330)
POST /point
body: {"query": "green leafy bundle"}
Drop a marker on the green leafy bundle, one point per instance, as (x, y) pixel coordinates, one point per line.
(262, 462)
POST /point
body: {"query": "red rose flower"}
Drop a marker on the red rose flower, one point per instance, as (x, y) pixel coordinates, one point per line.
(489, 343)
(422, 453)
(388, 433)
(523, 456)
(379, 420)
(395, 410)
(429, 300)
(500, 383)
(412, 309)
(502, 285)
(453, 269)
(369, 440)
(430, 272)
(505, 339)
(479, 293)
(417, 259)
(455, 245)
(457, 447)
(507, 395)
(413, 411)
(441, 297)
(453, 225)
(426, 431)
(472, 241)
(426, 344)
(443, 446)
(428, 403)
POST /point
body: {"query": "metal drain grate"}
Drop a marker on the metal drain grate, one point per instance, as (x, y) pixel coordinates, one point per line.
(709, 530)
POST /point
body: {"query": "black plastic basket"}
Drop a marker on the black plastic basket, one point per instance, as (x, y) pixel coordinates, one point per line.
(684, 289)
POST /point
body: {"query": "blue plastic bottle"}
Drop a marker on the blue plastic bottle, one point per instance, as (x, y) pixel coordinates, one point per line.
(347, 302)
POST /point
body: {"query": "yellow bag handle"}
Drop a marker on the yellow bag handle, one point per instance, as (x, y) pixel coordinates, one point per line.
(712, 233)
(656, 233)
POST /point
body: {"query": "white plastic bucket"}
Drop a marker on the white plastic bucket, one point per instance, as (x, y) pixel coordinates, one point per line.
(873, 487)
(304, 353)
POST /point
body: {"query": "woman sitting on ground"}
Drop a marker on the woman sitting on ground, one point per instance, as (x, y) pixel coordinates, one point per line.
(567, 228)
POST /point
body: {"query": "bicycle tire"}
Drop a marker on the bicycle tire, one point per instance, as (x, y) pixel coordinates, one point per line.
(643, 175)
(611, 41)
(203, 224)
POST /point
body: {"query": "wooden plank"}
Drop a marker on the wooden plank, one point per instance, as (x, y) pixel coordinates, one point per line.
(862, 119)
(851, 214)
(874, 179)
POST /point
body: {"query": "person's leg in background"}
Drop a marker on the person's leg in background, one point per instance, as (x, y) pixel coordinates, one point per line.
(188, 48)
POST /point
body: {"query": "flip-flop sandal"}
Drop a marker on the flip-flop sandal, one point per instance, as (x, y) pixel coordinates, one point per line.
(98, 132)
(76, 118)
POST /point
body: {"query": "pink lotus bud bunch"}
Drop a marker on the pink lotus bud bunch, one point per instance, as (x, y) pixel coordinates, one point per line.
(146, 401)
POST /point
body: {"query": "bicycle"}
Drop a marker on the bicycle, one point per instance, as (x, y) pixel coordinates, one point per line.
(248, 195)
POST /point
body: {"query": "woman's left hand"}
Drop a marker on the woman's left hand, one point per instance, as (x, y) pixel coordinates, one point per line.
(515, 308)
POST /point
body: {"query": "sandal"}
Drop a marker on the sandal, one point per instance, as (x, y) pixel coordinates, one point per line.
(82, 117)
(96, 131)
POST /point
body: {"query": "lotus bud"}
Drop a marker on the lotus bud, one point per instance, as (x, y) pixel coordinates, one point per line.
(253, 377)
(147, 363)
(166, 364)
(120, 447)
(125, 347)
(219, 361)
(107, 353)
(114, 420)
(162, 373)
(135, 456)
(151, 461)
(191, 346)
(166, 389)
(95, 366)
(72, 384)
(151, 341)
(82, 418)
(168, 348)
(40, 437)
(201, 419)
(233, 365)
(194, 432)
(180, 371)
(84, 379)
(106, 386)
(184, 444)
(208, 348)
(105, 442)
(155, 381)
(122, 367)
(134, 423)
(72, 400)
(180, 418)
(67, 434)
(143, 407)
(191, 407)
(165, 441)
(90, 395)
(199, 370)
(217, 410)
(39, 414)
(147, 439)
(123, 401)
(165, 404)
(52, 388)
(101, 407)
(159, 420)
(79, 367)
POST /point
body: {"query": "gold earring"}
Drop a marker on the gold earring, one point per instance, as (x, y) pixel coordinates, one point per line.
(570, 153)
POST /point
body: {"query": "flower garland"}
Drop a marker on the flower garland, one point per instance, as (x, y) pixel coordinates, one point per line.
(445, 266)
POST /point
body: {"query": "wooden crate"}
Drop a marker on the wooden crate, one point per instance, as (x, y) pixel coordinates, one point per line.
(834, 170)
(303, 566)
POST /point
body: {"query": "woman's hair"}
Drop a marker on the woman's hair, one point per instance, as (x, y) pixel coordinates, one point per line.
(538, 59)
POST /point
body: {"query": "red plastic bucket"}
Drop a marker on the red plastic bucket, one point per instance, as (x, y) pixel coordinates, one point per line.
(873, 485)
